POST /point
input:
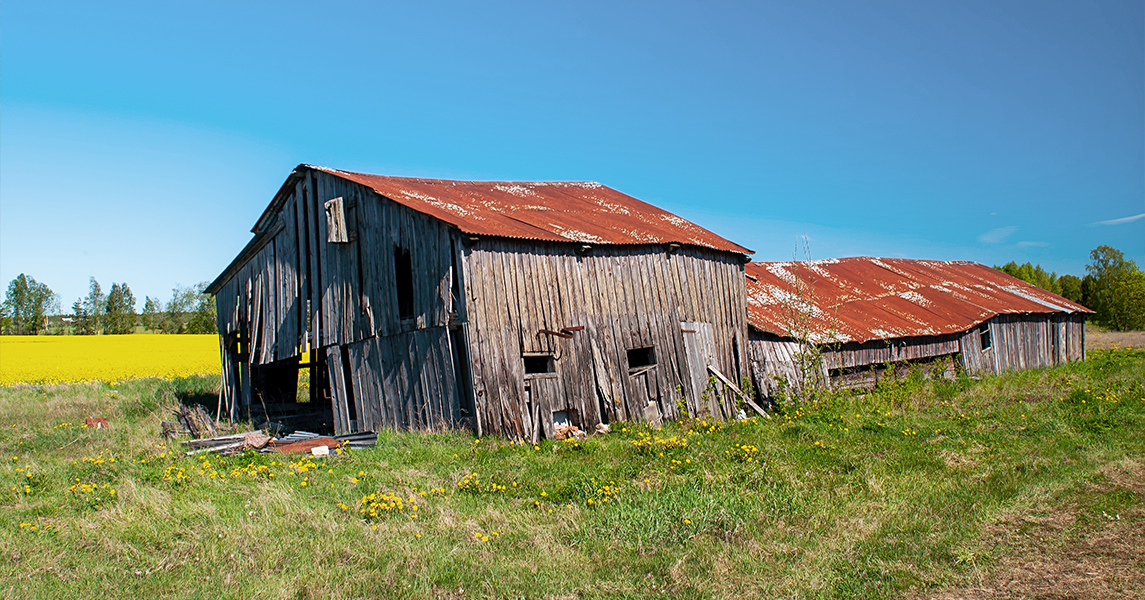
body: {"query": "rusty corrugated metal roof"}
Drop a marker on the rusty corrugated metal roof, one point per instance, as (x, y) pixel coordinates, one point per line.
(559, 211)
(861, 298)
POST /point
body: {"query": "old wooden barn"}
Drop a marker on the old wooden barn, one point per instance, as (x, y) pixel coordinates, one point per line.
(849, 320)
(512, 308)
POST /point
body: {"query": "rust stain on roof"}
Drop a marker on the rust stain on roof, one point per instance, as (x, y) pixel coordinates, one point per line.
(861, 299)
(558, 211)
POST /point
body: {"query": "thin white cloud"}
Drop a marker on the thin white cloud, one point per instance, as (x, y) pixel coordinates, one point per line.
(1033, 244)
(1121, 221)
(996, 236)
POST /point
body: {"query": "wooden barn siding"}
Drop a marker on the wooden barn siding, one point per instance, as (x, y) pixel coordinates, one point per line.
(227, 318)
(1031, 341)
(404, 381)
(352, 299)
(971, 357)
(769, 358)
(624, 297)
(1017, 342)
(884, 351)
(772, 357)
(394, 373)
(256, 305)
(357, 295)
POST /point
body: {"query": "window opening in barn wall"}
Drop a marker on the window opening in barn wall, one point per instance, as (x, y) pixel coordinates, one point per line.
(639, 358)
(984, 336)
(455, 279)
(561, 419)
(403, 273)
(539, 364)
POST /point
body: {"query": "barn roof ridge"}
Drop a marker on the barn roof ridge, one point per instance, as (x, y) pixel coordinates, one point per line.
(584, 212)
(438, 180)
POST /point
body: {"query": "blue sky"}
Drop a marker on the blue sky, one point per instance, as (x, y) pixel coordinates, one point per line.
(140, 141)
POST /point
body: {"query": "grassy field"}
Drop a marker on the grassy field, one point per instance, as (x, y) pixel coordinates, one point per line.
(1011, 486)
(39, 359)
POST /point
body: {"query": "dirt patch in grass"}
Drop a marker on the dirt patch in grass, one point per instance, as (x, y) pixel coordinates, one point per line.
(1104, 340)
(1071, 552)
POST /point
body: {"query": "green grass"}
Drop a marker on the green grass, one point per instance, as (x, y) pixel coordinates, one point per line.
(879, 496)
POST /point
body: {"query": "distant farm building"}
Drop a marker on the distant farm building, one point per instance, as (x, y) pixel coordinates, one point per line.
(865, 318)
(513, 308)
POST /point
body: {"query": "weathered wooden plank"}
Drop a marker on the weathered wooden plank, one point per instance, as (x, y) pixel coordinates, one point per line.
(302, 266)
(335, 373)
(747, 399)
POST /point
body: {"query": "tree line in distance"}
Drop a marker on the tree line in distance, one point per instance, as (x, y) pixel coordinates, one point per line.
(31, 308)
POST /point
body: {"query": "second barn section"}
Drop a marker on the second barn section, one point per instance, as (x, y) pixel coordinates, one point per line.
(850, 322)
(513, 308)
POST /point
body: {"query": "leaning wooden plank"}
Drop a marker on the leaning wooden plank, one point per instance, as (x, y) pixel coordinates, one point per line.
(216, 441)
(231, 446)
(735, 389)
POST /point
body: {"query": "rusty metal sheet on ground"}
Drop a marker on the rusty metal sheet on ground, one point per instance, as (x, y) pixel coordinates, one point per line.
(305, 446)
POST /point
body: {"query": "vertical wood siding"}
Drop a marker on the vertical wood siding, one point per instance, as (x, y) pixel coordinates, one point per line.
(352, 298)
(623, 297)
(1017, 342)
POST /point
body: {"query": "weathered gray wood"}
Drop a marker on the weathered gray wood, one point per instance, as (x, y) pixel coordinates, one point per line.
(747, 399)
(336, 231)
(698, 344)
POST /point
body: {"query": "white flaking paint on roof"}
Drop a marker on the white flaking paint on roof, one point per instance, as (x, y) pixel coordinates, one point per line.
(779, 271)
(642, 236)
(451, 208)
(913, 296)
(517, 190)
(817, 268)
(612, 206)
(575, 235)
(419, 196)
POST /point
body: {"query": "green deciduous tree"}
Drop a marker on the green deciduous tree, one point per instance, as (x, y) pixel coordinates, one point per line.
(152, 314)
(91, 323)
(119, 314)
(1115, 289)
(191, 310)
(27, 305)
(1071, 288)
(203, 317)
(81, 324)
(1033, 274)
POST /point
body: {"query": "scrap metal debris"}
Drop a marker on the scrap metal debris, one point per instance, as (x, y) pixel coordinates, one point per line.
(358, 440)
(228, 443)
(307, 446)
(195, 420)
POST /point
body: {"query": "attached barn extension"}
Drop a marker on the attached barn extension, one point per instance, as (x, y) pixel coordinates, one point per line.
(512, 308)
(864, 316)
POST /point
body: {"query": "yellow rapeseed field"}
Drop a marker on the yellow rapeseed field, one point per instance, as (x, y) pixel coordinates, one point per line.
(72, 358)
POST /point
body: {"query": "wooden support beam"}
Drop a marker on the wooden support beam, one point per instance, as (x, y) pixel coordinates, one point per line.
(732, 386)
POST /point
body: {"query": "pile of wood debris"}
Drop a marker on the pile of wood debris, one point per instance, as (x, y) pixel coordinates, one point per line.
(209, 436)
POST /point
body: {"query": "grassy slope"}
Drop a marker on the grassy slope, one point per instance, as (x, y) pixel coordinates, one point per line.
(890, 494)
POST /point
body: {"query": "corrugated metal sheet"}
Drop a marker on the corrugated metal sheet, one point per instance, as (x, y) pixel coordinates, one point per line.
(861, 299)
(583, 212)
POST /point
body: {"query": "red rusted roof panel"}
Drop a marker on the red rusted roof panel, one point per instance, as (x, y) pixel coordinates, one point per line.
(564, 211)
(861, 299)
